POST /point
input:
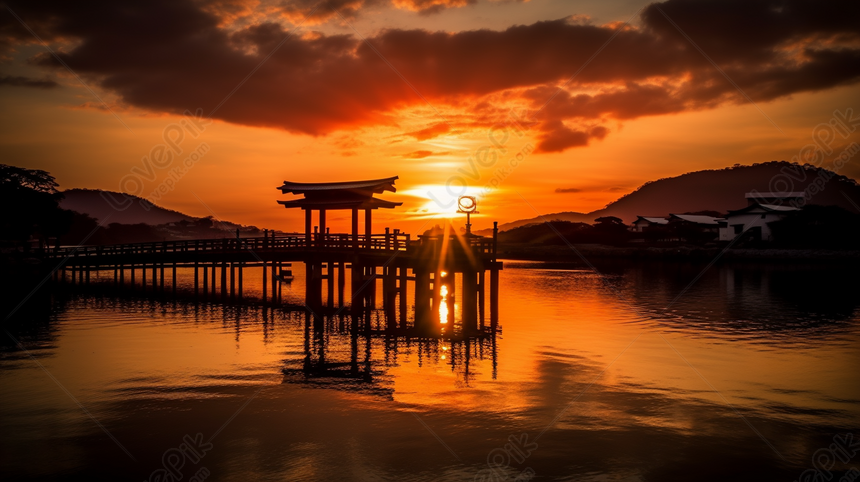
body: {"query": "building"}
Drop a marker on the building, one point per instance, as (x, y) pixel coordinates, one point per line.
(753, 219)
(694, 228)
(643, 222)
(706, 223)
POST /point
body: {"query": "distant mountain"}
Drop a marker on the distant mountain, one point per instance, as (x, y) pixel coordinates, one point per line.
(713, 190)
(122, 208)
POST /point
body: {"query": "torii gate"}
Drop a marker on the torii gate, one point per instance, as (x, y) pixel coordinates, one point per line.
(327, 196)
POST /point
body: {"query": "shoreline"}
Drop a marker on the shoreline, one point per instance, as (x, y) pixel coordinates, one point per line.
(530, 252)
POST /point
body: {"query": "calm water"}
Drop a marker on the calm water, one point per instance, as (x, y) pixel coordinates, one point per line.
(742, 377)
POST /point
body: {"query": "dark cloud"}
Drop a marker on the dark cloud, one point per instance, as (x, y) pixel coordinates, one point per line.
(18, 81)
(170, 56)
(421, 154)
(557, 137)
(565, 190)
(435, 130)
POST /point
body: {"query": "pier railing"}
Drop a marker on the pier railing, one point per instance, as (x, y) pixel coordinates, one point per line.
(317, 241)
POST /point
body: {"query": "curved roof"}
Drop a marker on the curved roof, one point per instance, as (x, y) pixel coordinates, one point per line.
(373, 185)
(696, 219)
(652, 219)
(370, 203)
(765, 207)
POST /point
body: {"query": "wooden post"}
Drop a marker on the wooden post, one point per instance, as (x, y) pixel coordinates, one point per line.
(265, 290)
(452, 297)
(367, 226)
(214, 267)
(308, 226)
(322, 227)
(422, 298)
(131, 267)
(121, 276)
(371, 276)
(223, 279)
(402, 291)
(330, 284)
(154, 277)
(143, 277)
(481, 297)
(356, 276)
(161, 280)
(232, 281)
(470, 302)
(241, 269)
(280, 285)
(341, 283)
(275, 281)
(173, 285)
(494, 297)
(437, 294)
(355, 228)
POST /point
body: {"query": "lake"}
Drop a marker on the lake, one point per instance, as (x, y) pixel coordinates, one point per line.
(645, 371)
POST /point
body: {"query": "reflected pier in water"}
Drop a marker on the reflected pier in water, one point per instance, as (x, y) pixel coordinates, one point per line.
(338, 353)
(433, 286)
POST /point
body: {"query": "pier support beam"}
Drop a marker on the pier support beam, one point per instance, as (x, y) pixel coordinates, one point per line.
(265, 288)
(341, 284)
(469, 303)
(494, 298)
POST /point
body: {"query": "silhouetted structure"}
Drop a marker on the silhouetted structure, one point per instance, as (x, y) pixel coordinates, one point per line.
(434, 264)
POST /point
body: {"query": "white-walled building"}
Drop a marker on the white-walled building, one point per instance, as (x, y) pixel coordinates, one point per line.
(753, 218)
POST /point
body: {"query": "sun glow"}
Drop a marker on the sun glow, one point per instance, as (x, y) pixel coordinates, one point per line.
(441, 200)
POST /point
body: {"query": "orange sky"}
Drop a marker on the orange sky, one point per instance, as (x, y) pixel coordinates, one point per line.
(436, 114)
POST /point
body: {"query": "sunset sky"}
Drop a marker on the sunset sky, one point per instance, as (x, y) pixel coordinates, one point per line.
(589, 99)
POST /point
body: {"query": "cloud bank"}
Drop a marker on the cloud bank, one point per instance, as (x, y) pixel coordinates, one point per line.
(169, 56)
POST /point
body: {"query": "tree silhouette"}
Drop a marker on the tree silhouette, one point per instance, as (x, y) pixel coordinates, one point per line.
(31, 205)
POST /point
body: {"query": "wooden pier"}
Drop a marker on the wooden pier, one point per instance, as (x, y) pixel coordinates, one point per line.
(420, 279)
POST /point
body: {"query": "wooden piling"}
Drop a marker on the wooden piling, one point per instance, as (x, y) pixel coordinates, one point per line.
(329, 284)
(469, 302)
(265, 290)
(223, 279)
(402, 292)
(232, 281)
(494, 297)
(241, 270)
(341, 284)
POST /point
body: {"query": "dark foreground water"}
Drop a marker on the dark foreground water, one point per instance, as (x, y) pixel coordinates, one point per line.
(750, 374)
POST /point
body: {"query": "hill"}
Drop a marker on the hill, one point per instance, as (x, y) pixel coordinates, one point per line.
(714, 190)
(123, 208)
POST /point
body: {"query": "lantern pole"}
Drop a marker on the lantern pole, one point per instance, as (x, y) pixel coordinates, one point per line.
(467, 205)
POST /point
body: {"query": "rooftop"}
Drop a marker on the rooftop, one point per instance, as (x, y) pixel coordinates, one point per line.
(370, 186)
(697, 219)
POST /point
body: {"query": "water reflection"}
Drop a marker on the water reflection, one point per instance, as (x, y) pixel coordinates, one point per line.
(335, 397)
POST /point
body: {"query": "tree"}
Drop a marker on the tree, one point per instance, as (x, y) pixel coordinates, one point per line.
(610, 230)
(30, 205)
